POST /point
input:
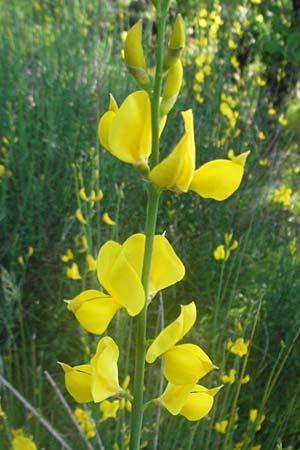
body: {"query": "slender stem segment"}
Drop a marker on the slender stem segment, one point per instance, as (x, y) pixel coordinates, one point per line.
(152, 209)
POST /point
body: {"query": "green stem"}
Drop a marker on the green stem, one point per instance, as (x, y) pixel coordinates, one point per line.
(152, 209)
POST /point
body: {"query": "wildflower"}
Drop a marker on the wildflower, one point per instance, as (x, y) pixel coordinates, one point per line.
(22, 442)
(258, 446)
(175, 44)
(221, 427)
(171, 88)
(73, 272)
(21, 260)
(119, 270)
(107, 219)
(217, 179)
(30, 251)
(293, 246)
(99, 196)
(134, 55)
(261, 135)
(245, 379)
(126, 131)
(271, 109)
(91, 262)
(282, 195)
(219, 252)
(109, 409)
(234, 62)
(253, 414)
(83, 195)
(86, 423)
(191, 401)
(68, 256)
(79, 216)
(183, 364)
(264, 162)
(260, 81)
(239, 347)
(98, 380)
(282, 120)
(230, 378)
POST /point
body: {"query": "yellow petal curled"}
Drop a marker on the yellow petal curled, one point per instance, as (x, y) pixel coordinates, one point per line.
(186, 364)
(104, 370)
(177, 169)
(94, 310)
(119, 278)
(166, 267)
(170, 335)
(220, 178)
(78, 382)
(198, 404)
(129, 133)
(174, 397)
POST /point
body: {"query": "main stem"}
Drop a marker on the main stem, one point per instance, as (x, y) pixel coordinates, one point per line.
(151, 219)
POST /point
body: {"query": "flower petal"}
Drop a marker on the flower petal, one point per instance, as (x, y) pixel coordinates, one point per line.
(119, 278)
(177, 169)
(186, 364)
(130, 134)
(103, 128)
(174, 397)
(78, 382)
(94, 310)
(198, 404)
(219, 179)
(170, 335)
(104, 370)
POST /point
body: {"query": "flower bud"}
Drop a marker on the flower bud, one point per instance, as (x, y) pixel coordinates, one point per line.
(171, 88)
(176, 43)
(134, 55)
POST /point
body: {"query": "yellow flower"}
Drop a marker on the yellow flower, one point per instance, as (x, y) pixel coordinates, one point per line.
(73, 272)
(234, 62)
(219, 252)
(260, 81)
(282, 120)
(86, 423)
(68, 256)
(191, 401)
(177, 169)
(126, 131)
(171, 88)
(91, 262)
(134, 55)
(175, 44)
(183, 364)
(230, 378)
(21, 260)
(282, 195)
(261, 135)
(83, 195)
(21, 442)
(253, 414)
(78, 382)
(245, 379)
(271, 110)
(119, 270)
(98, 380)
(293, 246)
(106, 219)
(258, 446)
(109, 409)
(239, 347)
(98, 196)
(217, 179)
(79, 216)
(221, 427)
(264, 162)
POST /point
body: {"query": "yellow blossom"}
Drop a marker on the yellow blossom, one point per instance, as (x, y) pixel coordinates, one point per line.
(109, 409)
(191, 401)
(232, 44)
(185, 363)
(245, 379)
(293, 246)
(282, 195)
(221, 427)
(219, 252)
(83, 195)
(253, 414)
(78, 382)
(175, 44)
(260, 81)
(86, 423)
(73, 272)
(134, 55)
(98, 196)
(234, 62)
(264, 162)
(68, 256)
(271, 110)
(239, 347)
(22, 442)
(282, 120)
(258, 446)
(107, 219)
(119, 270)
(79, 216)
(30, 251)
(261, 135)
(230, 378)
(91, 262)
(21, 260)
